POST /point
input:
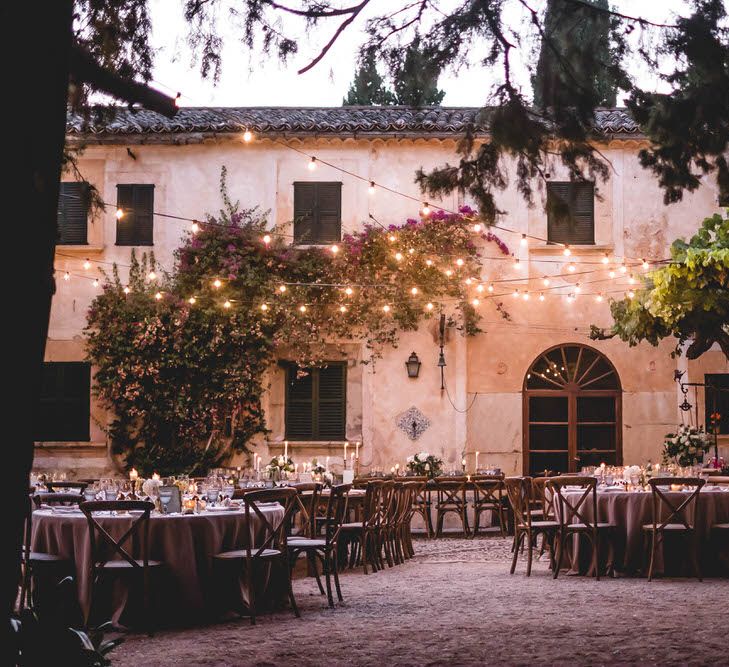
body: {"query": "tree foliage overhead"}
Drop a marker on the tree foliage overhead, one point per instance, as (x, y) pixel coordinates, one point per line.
(368, 87)
(687, 299)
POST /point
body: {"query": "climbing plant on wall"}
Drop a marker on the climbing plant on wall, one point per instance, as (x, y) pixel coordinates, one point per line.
(181, 358)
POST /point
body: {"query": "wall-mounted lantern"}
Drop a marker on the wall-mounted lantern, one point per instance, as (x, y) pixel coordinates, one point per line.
(413, 365)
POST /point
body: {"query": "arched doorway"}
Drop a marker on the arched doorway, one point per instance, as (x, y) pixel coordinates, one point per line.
(572, 410)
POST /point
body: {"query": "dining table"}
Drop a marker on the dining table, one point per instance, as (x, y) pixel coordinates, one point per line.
(189, 587)
(626, 551)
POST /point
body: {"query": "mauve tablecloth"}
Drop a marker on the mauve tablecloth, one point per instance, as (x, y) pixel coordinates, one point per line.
(629, 512)
(186, 590)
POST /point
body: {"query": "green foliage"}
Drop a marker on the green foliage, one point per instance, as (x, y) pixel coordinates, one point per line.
(368, 87)
(415, 77)
(178, 376)
(577, 35)
(688, 298)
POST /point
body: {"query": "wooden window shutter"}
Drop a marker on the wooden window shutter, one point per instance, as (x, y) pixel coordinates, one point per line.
(65, 401)
(136, 227)
(317, 212)
(332, 402)
(571, 212)
(299, 405)
(73, 213)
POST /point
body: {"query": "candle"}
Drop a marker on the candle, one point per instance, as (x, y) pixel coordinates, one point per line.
(463, 463)
(468, 478)
(286, 449)
(392, 470)
(351, 457)
(356, 450)
(296, 468)
(327, 466)
(397, 468)
(133, 475)
(346, 444)
(155, 476)
(477, 453)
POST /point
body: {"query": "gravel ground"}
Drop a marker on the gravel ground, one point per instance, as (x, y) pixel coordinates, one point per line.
(455, 604)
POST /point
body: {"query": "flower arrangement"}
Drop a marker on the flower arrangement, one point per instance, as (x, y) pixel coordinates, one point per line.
(316, 468)
(280, 464)
(686, 446)
(424, 463)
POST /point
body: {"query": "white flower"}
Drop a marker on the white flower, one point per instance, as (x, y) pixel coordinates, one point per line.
(427, 467)
(423, 455)
(281, 460)
(411, 459)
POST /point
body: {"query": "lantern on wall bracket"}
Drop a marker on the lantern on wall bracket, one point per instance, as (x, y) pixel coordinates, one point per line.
(413, 365)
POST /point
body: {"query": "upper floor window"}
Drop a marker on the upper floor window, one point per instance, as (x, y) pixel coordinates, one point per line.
(316, 402)
(73, 213)
(571, 212)
(64, 407)
(135, 227)
(717, 400)
(317, 212)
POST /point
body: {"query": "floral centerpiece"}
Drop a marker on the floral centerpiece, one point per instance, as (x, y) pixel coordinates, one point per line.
(279, 464)
(316, 468)
(424, 463)
(686, 446)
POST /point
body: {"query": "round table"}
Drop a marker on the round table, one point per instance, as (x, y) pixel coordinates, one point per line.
(185, 543)
(628, 512)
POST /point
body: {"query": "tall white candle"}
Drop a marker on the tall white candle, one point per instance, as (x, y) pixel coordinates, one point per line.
(346, 444)
(356, 450)
(327, 466)
(286, 449)
(477, 453)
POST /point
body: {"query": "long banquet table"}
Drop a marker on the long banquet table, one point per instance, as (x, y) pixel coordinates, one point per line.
(186, 589)
(628, 512)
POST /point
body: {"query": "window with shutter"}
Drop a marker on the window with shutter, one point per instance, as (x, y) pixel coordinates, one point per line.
(571, 213)
(717, 400)
(317, 212)
(64, 407)
(136, 226)
(73, 213)
(316, 402)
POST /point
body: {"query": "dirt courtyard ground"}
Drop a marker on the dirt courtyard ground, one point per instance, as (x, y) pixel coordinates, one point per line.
(455, 604)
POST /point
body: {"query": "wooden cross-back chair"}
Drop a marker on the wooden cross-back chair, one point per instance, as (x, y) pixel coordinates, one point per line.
(363, 537)
(392, 522)
(308, 497)
(670, 515)
(402, 543)
(422, 502)
(273, 548)
(325, 548)
(111, 556)
(54, 499)
(487, 496)
(526, 528)
(577, 516)
(451, 497)
(66, 486)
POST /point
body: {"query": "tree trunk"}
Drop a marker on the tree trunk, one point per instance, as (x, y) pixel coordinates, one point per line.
(36, 40)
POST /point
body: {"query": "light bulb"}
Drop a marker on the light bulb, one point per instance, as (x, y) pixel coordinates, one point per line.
(525, 296)
(348, 291)
(598, 298)
(475, 302)
(459, 262)
(127, 290)
(631, 294)
(192, 301)
(631, 279)
(578, 289)
(426, 209)
(67, 276)
(414, 291)
(571, 267)
(517, 263)
(334, 249)
(158, 296)
(491, 287)
(371, 189)
(566, 252)
(411, 251)
(392, 238)
(247, 136)
(448, 273)
(95, 283)
(267, 238)
(87, 265)
(151, 276)
(227, 304)
(429, 306)
(195, 227)
(302, 309)
(570, 298)
(623, 268)
(516, 294)
(479, 288)
(611, 273)
(216, 283)
(119, 213)
(545, 281)
(264, 307)
(342, 309)
(386, 308)
(606, 259)
(428, 262)
(282, 288)
(645, 265)
(312, 163)
(398, 256)
(541, 296)
(477, 228)
(523, 240)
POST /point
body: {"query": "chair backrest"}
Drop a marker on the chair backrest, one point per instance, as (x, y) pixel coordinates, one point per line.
(275, 533)
(676, 511)
(57, 499)
(487, 489)
(570, 506)
(171, 498)
(100, 537)
(720, 480)
(68, 486)
(451, 490)
(386, 503)
(336, 510)
(518, 491)
(539, 495)
(307, 500)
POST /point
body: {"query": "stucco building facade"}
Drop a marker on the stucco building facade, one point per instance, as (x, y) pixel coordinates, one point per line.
(486, 406)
